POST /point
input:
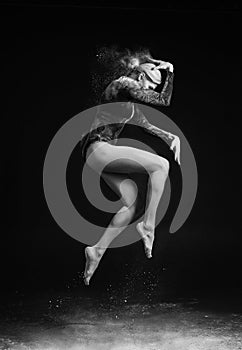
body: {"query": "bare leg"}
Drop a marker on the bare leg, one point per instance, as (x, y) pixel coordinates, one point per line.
(155, 190)
(122, 159)
(95, 253)
(119, 222)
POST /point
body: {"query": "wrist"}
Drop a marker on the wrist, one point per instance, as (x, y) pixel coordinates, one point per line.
(170, 136)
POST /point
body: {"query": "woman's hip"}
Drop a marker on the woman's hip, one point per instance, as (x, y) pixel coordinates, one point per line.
(123, 159)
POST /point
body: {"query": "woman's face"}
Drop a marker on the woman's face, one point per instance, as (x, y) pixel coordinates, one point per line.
(146, 83)
(152, 74)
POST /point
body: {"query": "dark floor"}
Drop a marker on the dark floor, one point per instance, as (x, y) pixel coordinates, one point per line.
(79, 317)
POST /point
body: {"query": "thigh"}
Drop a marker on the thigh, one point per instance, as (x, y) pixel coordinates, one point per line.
(124, 159)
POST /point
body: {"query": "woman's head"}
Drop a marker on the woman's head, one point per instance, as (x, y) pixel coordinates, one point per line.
(151, 72)
(147, 74)
(111, 62)
(152, 75)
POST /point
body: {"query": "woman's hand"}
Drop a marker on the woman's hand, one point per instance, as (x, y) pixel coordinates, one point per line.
(175, 146)
(152, 60)
(161, 64)
(165, 65)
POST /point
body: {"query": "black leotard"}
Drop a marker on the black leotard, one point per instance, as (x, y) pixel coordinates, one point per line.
(126, 91)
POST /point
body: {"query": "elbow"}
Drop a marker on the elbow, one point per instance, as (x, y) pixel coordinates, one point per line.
(166, 102)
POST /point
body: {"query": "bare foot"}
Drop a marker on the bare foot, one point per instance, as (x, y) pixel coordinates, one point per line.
(147, 235)
(92, 261)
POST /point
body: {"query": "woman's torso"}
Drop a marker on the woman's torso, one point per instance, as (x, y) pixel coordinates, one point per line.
(115, 110)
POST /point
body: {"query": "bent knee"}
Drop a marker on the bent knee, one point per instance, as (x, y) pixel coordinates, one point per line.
(165, 165)
(128, 210)
(123, 216)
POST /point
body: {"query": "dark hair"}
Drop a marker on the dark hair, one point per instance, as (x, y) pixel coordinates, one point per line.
(112, 62)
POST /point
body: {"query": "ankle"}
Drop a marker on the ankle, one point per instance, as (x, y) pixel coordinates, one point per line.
(148, 226)
(99, 251)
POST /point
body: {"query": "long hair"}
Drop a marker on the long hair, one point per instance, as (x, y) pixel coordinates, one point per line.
(111, 63)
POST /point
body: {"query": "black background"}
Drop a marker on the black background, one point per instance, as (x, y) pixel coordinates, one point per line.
(46, 53)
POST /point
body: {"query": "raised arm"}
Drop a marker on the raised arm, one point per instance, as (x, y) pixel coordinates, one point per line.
(153, 60)
(150, 96)
(161, 64)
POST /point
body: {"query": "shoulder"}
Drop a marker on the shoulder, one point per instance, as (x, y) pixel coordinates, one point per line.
(119, 87)
(127, 82)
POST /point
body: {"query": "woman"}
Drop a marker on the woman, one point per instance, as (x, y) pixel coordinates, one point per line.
(98, 148)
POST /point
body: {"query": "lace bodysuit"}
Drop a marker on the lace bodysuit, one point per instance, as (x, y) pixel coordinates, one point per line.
(126, 91)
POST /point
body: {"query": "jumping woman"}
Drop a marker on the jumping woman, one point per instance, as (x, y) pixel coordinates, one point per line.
(99, 147)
